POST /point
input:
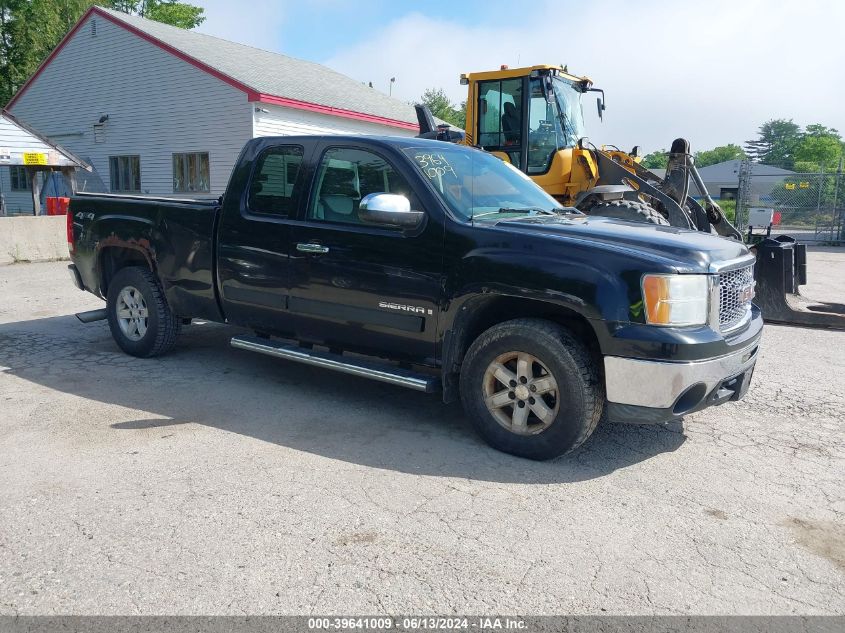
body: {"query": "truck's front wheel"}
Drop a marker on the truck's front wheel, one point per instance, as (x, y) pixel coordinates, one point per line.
(140, 319)
(531, 389)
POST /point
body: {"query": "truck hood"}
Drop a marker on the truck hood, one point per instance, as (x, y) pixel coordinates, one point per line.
(686, 250)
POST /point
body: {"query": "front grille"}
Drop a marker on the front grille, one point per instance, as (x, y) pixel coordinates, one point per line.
(736, 289)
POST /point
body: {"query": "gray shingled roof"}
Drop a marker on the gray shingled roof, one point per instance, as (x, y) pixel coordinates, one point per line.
(728, 171)
(273, 73)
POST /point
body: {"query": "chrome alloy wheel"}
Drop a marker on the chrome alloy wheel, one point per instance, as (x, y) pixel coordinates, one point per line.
(521, 393)
(132, 313)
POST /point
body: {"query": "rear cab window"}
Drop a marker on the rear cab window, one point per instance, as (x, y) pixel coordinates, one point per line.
(274, 188)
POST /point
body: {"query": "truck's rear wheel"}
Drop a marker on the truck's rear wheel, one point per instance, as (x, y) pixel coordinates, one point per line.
(140, 319)
(628, 210)
(531, 389)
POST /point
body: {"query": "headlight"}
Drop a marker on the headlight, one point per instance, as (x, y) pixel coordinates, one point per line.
(675, 299)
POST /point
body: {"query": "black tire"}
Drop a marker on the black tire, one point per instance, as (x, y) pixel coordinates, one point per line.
(577, 403)
(628, 210)
(161, 325)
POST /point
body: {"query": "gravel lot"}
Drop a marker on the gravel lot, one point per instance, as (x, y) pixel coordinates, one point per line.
(214, 481)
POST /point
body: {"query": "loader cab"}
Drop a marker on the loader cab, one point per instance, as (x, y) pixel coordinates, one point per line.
(531, 118)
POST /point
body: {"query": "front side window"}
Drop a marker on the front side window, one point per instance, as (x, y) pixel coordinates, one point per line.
(190, 173)
(125, 174)
(500, 113)
(348, 175)
(20, 179)
(272, 189)
(476, 185)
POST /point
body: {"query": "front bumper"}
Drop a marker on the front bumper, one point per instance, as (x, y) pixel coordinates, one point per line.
(647, 391)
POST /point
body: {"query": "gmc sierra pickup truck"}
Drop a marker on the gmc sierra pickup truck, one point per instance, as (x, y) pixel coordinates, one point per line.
(438, 268)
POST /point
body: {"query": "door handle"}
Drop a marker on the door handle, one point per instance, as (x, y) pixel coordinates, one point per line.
(312, 248)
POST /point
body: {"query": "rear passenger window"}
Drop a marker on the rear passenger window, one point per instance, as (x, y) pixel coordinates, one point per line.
(272, 189)
(347, 175)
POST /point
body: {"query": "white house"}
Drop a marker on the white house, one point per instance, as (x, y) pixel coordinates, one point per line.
(26, 156)
(159, 110)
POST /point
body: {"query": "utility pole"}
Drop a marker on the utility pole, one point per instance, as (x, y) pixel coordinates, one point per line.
(390, 89)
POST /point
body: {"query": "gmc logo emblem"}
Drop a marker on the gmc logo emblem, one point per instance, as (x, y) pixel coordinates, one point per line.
(745, 294)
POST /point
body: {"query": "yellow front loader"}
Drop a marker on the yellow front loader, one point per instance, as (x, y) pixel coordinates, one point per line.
(532, 118)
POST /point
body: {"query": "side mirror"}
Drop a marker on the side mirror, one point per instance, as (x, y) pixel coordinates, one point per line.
(389, 209)
(600, 105)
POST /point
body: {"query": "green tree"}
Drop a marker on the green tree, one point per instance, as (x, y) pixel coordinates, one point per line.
(656, 160)
(441, 107)
(776, 143)
(462, 116)
(719, 155)
(181, 14)
(31, 29)
(820, 147)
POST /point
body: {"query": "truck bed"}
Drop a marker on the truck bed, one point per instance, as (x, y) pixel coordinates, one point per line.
(177, 234)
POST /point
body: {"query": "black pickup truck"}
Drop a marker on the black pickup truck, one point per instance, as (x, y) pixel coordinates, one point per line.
(438, 268)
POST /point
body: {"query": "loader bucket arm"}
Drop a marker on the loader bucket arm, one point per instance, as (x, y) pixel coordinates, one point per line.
(714, 214)
(643, 182)
(691, 214)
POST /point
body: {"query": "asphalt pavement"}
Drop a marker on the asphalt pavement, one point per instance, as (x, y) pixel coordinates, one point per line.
(215, 481)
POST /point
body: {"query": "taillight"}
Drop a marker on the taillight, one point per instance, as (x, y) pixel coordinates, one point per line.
(70, 243)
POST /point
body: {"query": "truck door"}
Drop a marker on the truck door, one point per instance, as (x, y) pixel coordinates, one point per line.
(254, 237)
(362, 287)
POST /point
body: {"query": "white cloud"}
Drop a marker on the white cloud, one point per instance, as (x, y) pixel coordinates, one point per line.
(712, 72)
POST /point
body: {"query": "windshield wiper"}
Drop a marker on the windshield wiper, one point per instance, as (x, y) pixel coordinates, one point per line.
(519, 210)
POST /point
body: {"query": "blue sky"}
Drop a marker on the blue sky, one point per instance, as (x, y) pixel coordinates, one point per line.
(342, 24)
(711, 71)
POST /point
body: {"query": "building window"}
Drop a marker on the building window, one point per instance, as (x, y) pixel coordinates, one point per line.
(190, 173)
(20, 179)
(125, 174)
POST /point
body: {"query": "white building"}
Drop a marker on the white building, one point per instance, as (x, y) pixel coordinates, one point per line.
(163, 111)
(26, 156)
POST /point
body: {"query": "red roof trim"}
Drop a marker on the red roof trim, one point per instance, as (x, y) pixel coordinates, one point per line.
(252, 95)
(149, 38)
(322, 109)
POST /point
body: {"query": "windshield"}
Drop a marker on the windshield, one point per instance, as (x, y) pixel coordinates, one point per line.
(475, 184)
(553, 125)
(569, 102)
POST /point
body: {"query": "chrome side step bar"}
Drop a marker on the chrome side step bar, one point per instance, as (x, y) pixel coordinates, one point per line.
(356, 367)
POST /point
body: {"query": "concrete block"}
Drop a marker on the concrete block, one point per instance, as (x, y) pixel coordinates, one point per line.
(33, 239)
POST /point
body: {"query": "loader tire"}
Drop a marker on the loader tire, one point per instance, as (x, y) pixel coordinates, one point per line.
(628, 210)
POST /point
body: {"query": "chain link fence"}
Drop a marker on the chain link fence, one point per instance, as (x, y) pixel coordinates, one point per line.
(807, 206)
